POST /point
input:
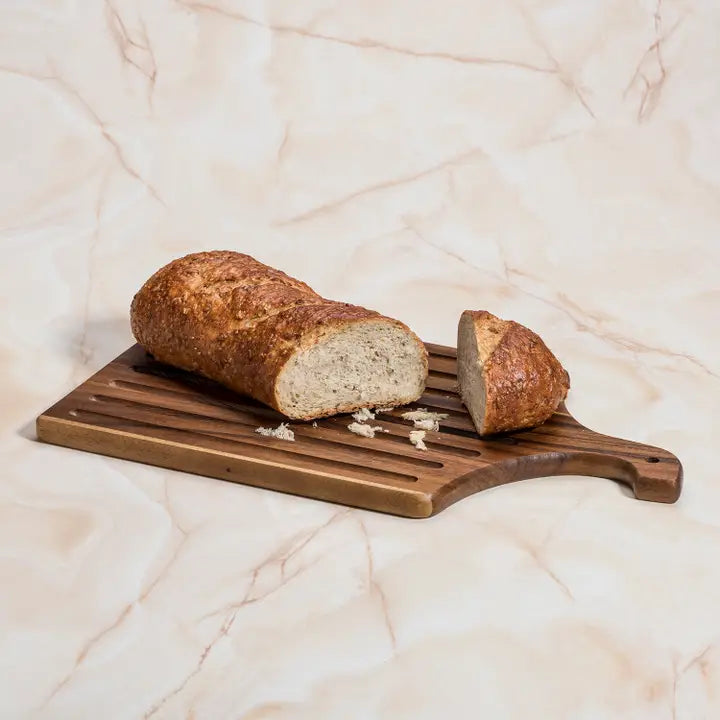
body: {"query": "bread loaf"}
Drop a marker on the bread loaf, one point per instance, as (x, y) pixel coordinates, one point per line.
(262, 333)
(508, 378)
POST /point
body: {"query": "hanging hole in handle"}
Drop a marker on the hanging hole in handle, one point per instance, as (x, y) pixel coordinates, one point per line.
(652, 460)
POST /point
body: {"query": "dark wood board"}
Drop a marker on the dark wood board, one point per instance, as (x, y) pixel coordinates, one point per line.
(138, 409)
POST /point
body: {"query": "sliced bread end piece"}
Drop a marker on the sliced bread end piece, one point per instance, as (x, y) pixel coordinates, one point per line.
(507, 376)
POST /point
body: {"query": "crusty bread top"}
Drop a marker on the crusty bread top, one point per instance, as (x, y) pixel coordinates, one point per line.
(524, 381)
(234, 319)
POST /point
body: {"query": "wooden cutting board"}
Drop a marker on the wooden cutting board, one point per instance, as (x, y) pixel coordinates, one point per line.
(138, 409)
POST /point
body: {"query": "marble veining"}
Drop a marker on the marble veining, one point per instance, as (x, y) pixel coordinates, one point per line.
(553, 162)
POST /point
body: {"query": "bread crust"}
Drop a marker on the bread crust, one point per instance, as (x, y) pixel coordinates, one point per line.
(524, 381)
(235, 320)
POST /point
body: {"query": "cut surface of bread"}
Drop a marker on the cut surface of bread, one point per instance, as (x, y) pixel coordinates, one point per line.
(367, 364)
(264, 334)
(507, 376)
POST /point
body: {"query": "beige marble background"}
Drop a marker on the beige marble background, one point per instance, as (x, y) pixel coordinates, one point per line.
(555, 162)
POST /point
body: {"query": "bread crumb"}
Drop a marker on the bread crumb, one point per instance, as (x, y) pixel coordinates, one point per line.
(416, 438)
(363, 414)
(282, 432)
(384, 410)
(423, 414)
(432, 425)
(314, 423)
(364, 430)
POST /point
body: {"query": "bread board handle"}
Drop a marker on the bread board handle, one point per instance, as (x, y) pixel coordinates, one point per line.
(652, 473)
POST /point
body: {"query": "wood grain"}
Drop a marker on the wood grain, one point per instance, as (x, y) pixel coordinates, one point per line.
(138, 409)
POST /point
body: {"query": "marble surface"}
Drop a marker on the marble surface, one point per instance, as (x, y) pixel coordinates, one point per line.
(554, 162)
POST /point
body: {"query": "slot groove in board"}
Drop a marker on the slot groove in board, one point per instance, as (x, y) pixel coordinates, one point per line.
(186, 384)
(444, 395)
(446, 426)
(442, 375)
(176, 393)
(441, 350)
